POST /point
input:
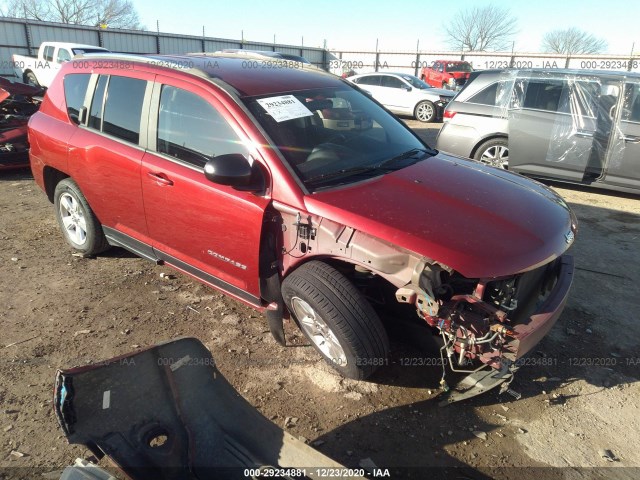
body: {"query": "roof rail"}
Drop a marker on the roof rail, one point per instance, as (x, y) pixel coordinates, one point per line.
(149, 59)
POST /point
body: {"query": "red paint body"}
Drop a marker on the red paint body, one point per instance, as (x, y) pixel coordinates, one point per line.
(481, 222)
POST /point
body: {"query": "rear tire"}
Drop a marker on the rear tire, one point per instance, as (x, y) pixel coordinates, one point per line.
(425, 111)
(30, 79)
(494, 152)
(80, 227)
(337, 319)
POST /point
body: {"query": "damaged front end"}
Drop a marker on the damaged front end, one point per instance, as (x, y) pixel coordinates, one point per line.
(486, 325)
(17, 103)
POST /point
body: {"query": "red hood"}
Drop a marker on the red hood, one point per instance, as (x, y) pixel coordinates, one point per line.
(480, 221)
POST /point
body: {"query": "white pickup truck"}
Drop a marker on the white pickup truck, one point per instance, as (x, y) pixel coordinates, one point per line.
(41, 70)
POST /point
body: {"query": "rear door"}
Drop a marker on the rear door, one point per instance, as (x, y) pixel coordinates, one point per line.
(560, 128)
(623, 166)
(208, 230)
(105, 154)
(371, 84)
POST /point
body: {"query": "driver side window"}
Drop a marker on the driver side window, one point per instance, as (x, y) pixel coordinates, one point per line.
(190, 129)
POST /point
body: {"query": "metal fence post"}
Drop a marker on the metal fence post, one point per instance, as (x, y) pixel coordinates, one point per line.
(417, 64)
(27, 32)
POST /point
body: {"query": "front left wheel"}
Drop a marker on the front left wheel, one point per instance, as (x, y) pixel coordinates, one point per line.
(80, 227)
(337, 319)
(425, 111)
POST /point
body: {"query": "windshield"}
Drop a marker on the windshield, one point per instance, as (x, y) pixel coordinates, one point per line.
(333, 136)
(415, 82)
(459, 67)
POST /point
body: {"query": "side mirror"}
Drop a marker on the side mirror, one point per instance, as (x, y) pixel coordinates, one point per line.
(232, 169)
(407, 88)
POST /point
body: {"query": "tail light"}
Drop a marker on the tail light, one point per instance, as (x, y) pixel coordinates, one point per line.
(449, 114)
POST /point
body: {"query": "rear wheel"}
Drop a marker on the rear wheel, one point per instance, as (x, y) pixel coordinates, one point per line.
(30, 79)
(425, 111)
(337, 319)
(494, 152)
(79, 225)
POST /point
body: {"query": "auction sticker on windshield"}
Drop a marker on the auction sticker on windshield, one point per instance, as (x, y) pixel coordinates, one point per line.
(284, 107)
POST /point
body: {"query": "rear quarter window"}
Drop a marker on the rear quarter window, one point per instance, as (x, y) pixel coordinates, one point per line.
(75, 89)
(48, 53)
(486, 96)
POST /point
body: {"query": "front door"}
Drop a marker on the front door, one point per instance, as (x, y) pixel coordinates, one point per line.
(208, 230)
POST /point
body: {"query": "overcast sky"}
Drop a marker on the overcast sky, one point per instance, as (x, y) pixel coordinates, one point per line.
(397, 25)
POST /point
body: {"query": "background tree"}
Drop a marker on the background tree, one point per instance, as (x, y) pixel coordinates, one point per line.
(113, 13)
(572, 41)
(482, 28)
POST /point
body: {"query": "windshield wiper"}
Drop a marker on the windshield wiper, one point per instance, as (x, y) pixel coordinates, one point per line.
(420, 152)
(384, 165)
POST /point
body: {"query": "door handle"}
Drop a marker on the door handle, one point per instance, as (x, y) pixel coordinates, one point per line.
(630, 138)
(161, 178)
(583, 134)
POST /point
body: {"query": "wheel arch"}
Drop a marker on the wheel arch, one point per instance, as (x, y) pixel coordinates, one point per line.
(51, 178)
(341, 264)
(493, 136)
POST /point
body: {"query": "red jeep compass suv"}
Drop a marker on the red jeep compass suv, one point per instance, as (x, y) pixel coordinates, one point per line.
(293, 191)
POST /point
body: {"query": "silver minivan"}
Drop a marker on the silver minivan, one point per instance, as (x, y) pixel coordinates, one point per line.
(569, 125)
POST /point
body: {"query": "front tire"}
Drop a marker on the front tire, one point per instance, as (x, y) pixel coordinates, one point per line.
(494, 152)
(337, 319)
(80, 227)
(425, 111)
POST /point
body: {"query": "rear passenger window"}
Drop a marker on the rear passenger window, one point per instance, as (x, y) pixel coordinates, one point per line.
(119, 114)
(372, 80)
(543, 95)
(75, 89)
(48, 53)
(123, 108)
(191, 129)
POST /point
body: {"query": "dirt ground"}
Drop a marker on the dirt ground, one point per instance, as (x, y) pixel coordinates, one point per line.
(580, 390)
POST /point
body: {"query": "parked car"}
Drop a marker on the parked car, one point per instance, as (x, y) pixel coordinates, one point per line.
(449, 74)
(405, 94)
(17, 103)
(293, 191)
(41, 70)
(570, 125)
